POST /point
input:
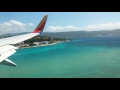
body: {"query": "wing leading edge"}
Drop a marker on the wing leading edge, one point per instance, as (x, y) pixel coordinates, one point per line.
(6, 44)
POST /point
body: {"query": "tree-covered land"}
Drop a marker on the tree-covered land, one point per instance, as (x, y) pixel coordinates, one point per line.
(44, 38)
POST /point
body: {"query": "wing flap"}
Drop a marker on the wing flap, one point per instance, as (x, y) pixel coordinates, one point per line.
(8, 62)
(6, 51)
(5, 48)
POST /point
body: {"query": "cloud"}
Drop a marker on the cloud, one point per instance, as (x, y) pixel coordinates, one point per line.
(13, 26)
(70, 27)
(107, 26)
(64, 29)
(96, 27)
(30, 24)
(55, 28)
(17, 23)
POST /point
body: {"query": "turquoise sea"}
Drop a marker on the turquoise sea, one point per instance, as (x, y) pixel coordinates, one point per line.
(97, 57)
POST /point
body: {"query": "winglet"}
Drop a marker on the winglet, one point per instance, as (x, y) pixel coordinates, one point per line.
(41, 25)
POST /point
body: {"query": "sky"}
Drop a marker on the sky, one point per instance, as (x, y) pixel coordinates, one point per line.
(14, 22)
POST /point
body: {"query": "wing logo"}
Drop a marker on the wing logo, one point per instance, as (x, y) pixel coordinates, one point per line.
(41, 25)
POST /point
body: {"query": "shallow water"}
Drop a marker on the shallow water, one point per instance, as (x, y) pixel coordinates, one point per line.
(80, 58)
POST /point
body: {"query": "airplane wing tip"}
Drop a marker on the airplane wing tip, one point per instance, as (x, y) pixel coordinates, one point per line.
(41, 25)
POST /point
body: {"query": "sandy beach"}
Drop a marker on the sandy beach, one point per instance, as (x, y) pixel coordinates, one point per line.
(41, 45)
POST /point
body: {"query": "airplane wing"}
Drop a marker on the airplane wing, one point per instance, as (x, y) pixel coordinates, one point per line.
(6, 44)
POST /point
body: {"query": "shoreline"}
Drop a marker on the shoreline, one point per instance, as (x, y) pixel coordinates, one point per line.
(41, 45)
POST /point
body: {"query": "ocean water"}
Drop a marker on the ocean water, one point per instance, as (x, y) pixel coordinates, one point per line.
(97, 57)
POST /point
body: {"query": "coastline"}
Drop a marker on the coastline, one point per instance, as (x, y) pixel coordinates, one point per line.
(41, 45)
